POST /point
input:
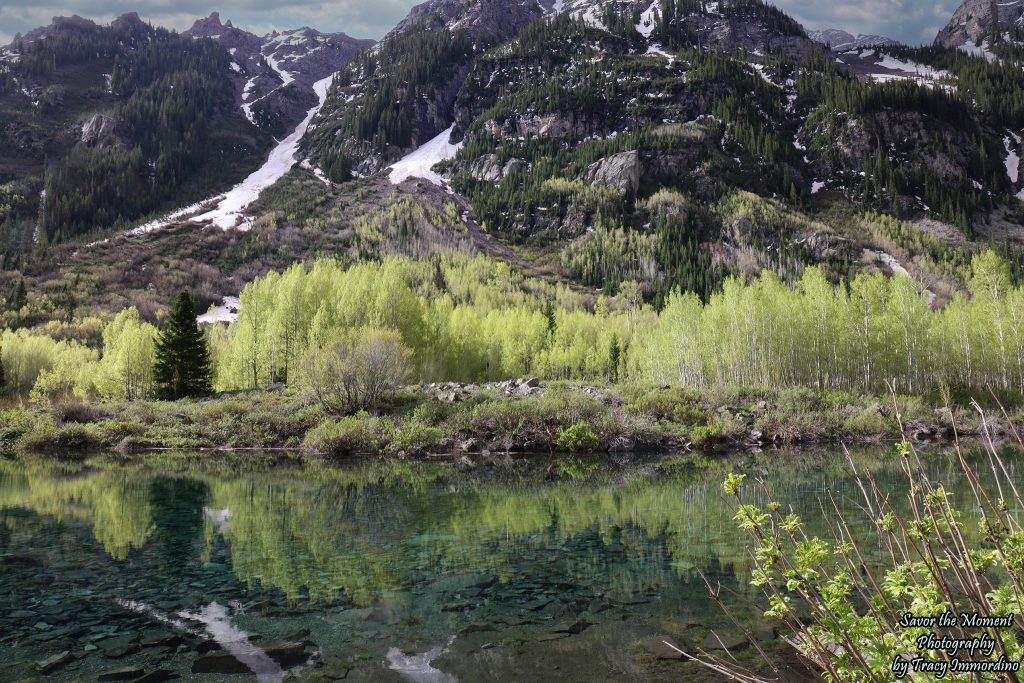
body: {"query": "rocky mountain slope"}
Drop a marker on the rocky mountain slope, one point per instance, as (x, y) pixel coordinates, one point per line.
(577, 132)
(976, 19)
(101, 125)
(274, 74)
(840, 40)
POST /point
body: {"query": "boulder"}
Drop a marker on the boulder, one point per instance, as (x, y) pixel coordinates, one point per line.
(621, 171)
(662, 647)
(51, 664)
(219, 663)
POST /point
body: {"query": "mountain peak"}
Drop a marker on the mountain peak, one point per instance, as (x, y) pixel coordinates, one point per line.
(205, 26)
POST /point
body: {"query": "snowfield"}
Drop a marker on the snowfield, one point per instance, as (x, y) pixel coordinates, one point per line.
(1012, 160)
(646, 25)
(227, 312)
(420, 162)
(227, 210)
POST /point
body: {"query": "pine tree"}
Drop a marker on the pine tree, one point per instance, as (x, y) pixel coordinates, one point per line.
(182, 361)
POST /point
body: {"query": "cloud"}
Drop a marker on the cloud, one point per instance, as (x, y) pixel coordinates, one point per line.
(911, 21)
(358, 18)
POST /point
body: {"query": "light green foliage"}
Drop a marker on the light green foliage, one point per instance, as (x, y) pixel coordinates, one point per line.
(31, 359)
(923, 563)
(815, 334)
(577, 438)
(126, 369)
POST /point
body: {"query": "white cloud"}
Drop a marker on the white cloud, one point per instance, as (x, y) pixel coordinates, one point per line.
(912, 21)
(358, 18)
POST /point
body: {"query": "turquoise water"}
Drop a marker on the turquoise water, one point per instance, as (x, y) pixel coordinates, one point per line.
(505, 570)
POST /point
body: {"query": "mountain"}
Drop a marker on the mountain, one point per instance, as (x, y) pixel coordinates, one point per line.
(976, 19)
(841, 41)
(404, 92)
(103, 125)
(633, 146)
(274, 74)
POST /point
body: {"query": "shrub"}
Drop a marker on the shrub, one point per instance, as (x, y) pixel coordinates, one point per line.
(353, 434)
(845, 616)
(63, 440)
(414, 436)
(82, 413)
(578, 438)
(357, 371)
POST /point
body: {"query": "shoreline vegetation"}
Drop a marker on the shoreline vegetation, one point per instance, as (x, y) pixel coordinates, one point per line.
(414, 357)
(524, 415)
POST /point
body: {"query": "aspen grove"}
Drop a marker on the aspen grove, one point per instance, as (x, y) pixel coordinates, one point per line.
(475, 319)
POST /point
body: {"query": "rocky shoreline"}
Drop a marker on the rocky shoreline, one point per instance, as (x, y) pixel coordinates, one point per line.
(523, 415)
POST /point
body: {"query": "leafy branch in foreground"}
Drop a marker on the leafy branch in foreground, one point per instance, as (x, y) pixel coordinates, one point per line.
(862, 608)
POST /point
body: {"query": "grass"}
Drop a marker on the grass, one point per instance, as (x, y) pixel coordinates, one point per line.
(562, 418)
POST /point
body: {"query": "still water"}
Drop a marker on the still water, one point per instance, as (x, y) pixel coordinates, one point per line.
(198, 568)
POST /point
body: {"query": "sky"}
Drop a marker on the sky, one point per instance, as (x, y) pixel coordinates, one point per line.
(911, 21)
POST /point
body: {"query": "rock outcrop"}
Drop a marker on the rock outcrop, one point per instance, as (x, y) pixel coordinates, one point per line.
(621, 171)
(974, 18)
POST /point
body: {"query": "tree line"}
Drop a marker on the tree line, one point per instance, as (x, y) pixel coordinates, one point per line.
(474, 319)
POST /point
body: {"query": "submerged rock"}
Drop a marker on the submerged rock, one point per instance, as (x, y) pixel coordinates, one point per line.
(51, 664)
(127, 673)
(662, 647)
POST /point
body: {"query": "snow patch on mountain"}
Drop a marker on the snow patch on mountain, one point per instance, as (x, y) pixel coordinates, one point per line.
(228, 212)
(420, 162)
(227, 312)
(1012, 143)
(982, 50)
(646, 25)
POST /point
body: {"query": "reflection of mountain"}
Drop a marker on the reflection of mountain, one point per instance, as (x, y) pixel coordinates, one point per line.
(372, 530)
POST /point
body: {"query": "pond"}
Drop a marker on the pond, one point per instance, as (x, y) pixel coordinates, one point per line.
(206, 568)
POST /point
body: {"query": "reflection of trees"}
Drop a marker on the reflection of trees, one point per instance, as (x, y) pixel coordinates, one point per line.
(177, 505)
(375, 528)
(116, 502)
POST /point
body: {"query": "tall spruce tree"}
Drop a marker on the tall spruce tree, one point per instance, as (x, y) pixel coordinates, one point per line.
(182, 360)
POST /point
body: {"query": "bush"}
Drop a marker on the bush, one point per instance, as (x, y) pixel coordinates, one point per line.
(82, 413)
(349, 435)
(64, 440)
(844, 616)
(357, 371)
(578, 438)
(416, 437)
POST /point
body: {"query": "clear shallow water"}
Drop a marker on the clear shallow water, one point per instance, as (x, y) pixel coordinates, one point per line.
(422, 572)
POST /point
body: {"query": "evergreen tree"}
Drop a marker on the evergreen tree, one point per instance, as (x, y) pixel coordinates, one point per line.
(182, 362)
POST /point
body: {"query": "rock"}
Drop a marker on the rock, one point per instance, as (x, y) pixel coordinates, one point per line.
(219, 663)
(101, 131)
(127, 673)
(156, 676)
(573, 628)
(724, 641)
(469, 445)
(662, 647)
(51, 664)
(159, 637)
(533, 383)
(621, 171)
(974, 19)
(287, 654)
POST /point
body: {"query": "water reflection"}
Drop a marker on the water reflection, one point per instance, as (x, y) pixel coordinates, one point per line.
(415, 570)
